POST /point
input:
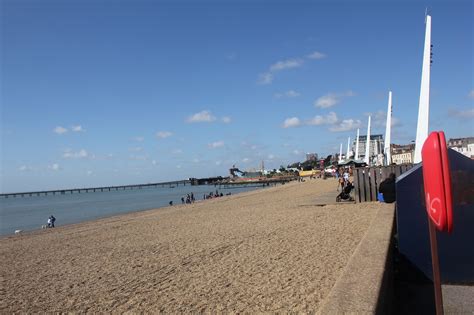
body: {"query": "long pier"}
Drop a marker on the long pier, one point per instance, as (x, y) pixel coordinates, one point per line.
(95, 189)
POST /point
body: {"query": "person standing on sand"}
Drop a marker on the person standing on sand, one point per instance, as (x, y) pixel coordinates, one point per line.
(49, 222)
(53, 219)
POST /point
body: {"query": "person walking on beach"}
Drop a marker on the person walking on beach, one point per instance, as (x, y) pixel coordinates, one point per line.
(192, 197)
(182, 200)
(53, 219)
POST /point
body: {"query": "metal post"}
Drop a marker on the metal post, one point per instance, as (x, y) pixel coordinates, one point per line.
(436, 273)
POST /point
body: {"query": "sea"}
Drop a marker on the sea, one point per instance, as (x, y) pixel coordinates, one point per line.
(29, 213)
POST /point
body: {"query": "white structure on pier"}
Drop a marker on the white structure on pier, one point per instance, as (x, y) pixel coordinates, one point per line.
(424, 105)
(388, 127)
(356, 157)
(367, 147)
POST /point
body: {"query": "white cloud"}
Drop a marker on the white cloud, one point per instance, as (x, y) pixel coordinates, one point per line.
(163, 134)
(289, 94)
(217, 144)
(265, 78)
(177, 151)
(471, 94)
(218, 163)
(81, 154)
(25, 168)
(139, 139)
(60, 130)
(329, 119)
(461, 114)
(316, 55)
(89, 173)
(291, 122)
(154, 162)
(379, 119)
(326, 101)
(245, 160)
(196, 160)
(178, 166)
(138, 157)
(331, 99)
(286, 64)
(54, 167)
(271, 156)
(226, 120)
(346, 125)
(136, 149)
(202, 116)
(296, 152)
(77, 128)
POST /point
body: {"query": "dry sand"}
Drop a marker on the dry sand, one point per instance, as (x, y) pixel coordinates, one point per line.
(273, 250)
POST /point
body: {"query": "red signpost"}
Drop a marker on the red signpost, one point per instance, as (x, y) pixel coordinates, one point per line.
(437, 184)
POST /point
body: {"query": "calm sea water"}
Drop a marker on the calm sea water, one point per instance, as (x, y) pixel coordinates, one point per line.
(30, 213)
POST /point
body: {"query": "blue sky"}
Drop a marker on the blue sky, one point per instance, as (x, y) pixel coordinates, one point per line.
(121, 92)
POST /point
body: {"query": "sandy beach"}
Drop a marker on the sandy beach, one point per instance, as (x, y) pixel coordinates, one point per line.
(273, 250)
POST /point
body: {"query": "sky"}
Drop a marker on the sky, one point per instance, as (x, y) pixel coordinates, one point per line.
(97, 93)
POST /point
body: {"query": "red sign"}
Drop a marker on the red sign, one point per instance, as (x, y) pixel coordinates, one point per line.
(437, 181)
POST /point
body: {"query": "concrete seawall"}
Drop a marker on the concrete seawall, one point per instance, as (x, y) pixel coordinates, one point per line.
(366, 284)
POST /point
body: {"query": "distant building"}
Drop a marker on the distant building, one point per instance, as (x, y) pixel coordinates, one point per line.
(376, 145)
(311, 156)
(463, 145)
(403, 154)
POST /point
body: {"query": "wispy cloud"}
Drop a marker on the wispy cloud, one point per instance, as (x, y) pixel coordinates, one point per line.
(471, 94)
(288, 94)
(138, 139)
(81, 154)
(216, 144)
(345, 125)
(460, 114)
(138, 157)
(316, 55)
(136, 149)
(379, 119)
(291, 122)
(331, 99)
(60, 130)
(77, 128)
(267, 76)
(202, 116)
(329, 119)
(226, 120)
(54, 167)
(25, 168)
(163, 134)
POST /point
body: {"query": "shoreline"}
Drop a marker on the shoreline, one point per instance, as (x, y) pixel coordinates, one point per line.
(271, 250)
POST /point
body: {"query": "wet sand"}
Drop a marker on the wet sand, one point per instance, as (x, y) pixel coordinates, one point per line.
(273, 250)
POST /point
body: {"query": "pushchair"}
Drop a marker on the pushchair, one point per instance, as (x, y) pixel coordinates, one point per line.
(345, 194)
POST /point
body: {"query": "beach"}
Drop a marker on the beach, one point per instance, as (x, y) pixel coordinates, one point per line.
(274, 250)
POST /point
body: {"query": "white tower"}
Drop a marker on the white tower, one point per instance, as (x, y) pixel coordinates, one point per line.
(424, 105)
(388, 128)
(367, 145)
(348, 148)
(340, 153)
(356, 157)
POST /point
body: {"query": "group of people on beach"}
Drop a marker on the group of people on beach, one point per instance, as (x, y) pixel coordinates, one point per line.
(214, 195)
(189, 199)
(51, 221)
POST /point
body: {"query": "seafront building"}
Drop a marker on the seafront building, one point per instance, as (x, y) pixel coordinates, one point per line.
(403, 153)
(376, 145)
(464, 146)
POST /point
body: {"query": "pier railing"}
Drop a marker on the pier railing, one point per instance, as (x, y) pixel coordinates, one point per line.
(368, 179)
(95, 189)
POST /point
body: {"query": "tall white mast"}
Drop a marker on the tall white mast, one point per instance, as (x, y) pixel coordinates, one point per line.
(356, 157)
(340, 153)
(367, 145)
(388, 128)
(424, 105)
(348, 148)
